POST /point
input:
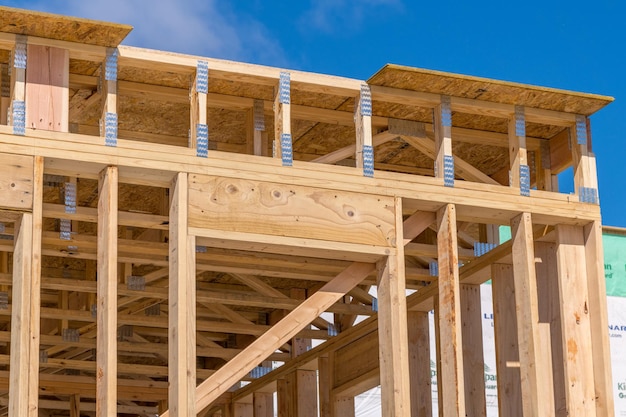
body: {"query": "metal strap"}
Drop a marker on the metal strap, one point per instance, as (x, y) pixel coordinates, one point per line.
(201, 249)
(546, 161)
(588, 195)
(2, 227)
(65, 227)
(110, 65)
(284, 88)
(365, 100)
(70, 335)
(481, 248)
(433, 269)
(202, 140)
(136, 283)
(153, 310)
(581, 130)
(446, 112)
(332, 330)
(368, 161)
(259, 115)
(4, 300)
(18, 118)
(70, 197)
(110, 129)
(520, 121)
(202, 77)
(448, 170)
(524, 180)
(19, 53)
(286, 149)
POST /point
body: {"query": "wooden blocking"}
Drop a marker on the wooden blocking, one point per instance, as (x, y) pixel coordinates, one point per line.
(287, 210)
(16, 181)
(419, 364)
(575, 321)
(536, 387)
(598, 317)
(182, 304)
(297, 394)
(450, 355)
(507, 350)
(473, 361)
(106, 375)
(47, 88)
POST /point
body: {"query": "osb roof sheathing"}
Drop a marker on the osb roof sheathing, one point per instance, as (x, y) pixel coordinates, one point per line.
(438, 82)
(64, 28)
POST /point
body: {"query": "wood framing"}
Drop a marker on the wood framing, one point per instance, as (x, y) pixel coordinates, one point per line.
(149, 268)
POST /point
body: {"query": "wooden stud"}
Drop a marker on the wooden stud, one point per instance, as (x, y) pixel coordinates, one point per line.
(507, 350)
(473, 360)
(282, 116)
(443, 135)
(584, 162)
(263, 404)
(109, 96)
(536, 388)
(449, 352)
(324, 383)
(363, 127)
(182, 302)
(75, 405)
(575, 321)
(47, 88)
(518, 154)
(106, 375)
(598, 317)
(392, 324)
(343, 407)
(198, 109)
(419, 364)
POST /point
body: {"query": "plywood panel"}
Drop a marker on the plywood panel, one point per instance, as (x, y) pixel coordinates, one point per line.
(286, 210)
(16, 181)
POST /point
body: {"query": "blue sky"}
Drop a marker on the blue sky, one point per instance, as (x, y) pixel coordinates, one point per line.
(573, 45)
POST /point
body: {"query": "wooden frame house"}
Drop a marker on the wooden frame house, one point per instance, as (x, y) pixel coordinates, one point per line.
(174, 227)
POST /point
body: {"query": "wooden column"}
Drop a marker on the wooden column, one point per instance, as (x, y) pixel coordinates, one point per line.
(419, 364)
(263, 403)
(26, 304)
(473, 360)
(344, 407)
(507, 349)
(450, 383)
(575, 321)
(536, 387)
(47, 88)
(255, 129)
(109, 120)
(75, 405)
(364, 156)
(282, 120)
(295, 398)
(243, 410)
(392, 328)
(518, 154)
(598, 318)
(585, 175)
(106, 375)
(325, 385)
(17, 110)
(182, 305)
(198, 105)
(444, 162)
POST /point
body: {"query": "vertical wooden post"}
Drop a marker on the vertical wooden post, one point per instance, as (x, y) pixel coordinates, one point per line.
(182, 305)
(109, 119)
(263, 404)
(450, 355)
(392, 328)
(255, 127)
(575, 321)
(518, 154)
(550, 315)
(344, 407)
(536, 392)
(363, 124)
(444, 162)
(75, 405)
(282, 120)
(598, 318)
(18, 86)
(507, 350)
(585, 175)
(325, 382)
(419, 364)
(473, 360)
(106, 375)
(243, 410)
(198, 115)
(47, 88)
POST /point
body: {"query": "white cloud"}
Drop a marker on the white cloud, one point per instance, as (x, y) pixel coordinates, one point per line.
(201, 27)
(332, 16)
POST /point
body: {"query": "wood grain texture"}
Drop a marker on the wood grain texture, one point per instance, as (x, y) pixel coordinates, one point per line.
(288, 210)
(16, 181)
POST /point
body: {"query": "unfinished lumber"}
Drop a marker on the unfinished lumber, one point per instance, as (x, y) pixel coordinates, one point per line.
(106, 311)
(518, 154)
(182, 304)
(419, 364)
(199, 138)
(283, 147)
(473, 361)
(364, 155)
(444, 161)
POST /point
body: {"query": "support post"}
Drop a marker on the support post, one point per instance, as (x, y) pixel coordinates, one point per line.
(263, 403)
(18, 86)
(182, 305)
(518, 155)
(575, 321)
(106, 375)
(419, 364)
(536, 392)
(599, 321)
(363, 123)
(392, 328)
(109, 122)
(507, 350)
(473, 360)
(450, 354)
(75, 405)
(325, 385)
(444, 160)
(199, 132)
(585, 175)
(282, 120)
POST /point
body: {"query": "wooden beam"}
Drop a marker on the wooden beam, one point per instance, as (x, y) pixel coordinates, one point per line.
(575, 321)
(419, 364)
(507, 350)
(182, 304)
(106, 375)
(392, 325)
(450, 385)
(598, 317)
